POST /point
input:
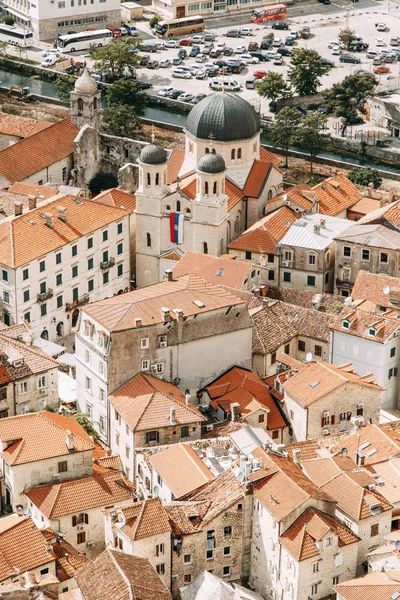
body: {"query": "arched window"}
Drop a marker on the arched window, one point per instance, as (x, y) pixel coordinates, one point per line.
(206, 187)
(168, 208)
(178, 206)
(233, 154)
(221, 247)
(148, 240)
(80, 105)
(148, 179)
(215, 188)
(205, 248)
(95, 104)
(237, 225)
(255, 147)
(269, 195)
(157, 178)
(239, 155)
(187, 211)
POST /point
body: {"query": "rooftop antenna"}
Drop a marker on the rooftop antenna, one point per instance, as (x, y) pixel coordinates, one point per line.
(211, 137)
(386, 290)
(309, 356)
(152, 133)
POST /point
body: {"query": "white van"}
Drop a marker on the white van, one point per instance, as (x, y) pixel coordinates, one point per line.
(218, 84)
(131, 29)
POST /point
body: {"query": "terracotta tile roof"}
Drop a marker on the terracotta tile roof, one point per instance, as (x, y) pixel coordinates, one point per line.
(330, 303)
(377, 437)
(28, 237)
(319, 379)
(108, 463)
(300, 195)
(373, 586)
(32, 189)
(389, 473)
(301, 539)
(4, 375)
(370, 285)
(267, 156)
(33, 359)
(118, 198)
(374, 236)
(20, 126)
(249, 391)
(119, 313)
(308, 449)
(144, 402)
(234, 193)
(218, 271)
(221, 493)
(289, 361)
(37, 436)
(336, 194)
(17, 331)
(181, 468)
(174, 164)
(151, 519)
(22, 546)
(187, 517)
(76, 495)
(257, 178)
(264, 235)
(392, 430)
(38, 151)
(365, 206)
(361, 322)
(222, 429)
(322, 470)
(392, 215)
(68, 559)
(114, 575)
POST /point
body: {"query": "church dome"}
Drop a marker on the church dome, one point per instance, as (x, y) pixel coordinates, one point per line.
(85, 83)
(153, 155)
(211, 163)
(224, 117)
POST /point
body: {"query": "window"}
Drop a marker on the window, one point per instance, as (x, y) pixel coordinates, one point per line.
(120, 270)
(120, 544)
(273, 358)
(43, 287)
(185, 431)
(59, 279)
(148, 240)
(90, 264)
(342, 416)
(3, 393)
(271, 275)
(287, 277)
(301, 346)
(144, 343)
(42, 266)
(239, 153)
(160, 568)
(105, 235)
(315, 567)
(5, 275)
(384, 258)
(152, 436)
(117, 439)
(248, 255)
(75, 271)
(365, 254)
(145, 365)
(211, 538)
(44, 571)
(187, 578)
(26, 296)
(233, 154)
(23, 388)
(90, 243)
(311, 280)
(335, 580)
(88, 384)
(90, 285)
(205, 248)
(120, 248)
(392, 352)
(314, 589)
(81, 537)
(209, 554)
(42, 382)
(43, 310)
(187, 558)
(87, 356)
(105, 256)
(327, 277)
(288, 256)
(226, 571)
(311, 259)
(63, 466)
(390, 374)
(75, 293)
(74, 250)
(27, 317)
(228, 530)
(360, 410)
(261, 418)
(346, 251)
(227, 550)
(25, 274)
(318, 350)
(374, 529)
(119, 228)
(106, 277)
(275, 434)
(160, 367)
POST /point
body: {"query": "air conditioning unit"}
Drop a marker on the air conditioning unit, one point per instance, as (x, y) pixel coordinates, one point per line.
(286, 263)
(153, 367)
(325, 432)
(56, 475)
(209, 427)
(42, 391)
(81, 528)
(90, 544)
(163, 344)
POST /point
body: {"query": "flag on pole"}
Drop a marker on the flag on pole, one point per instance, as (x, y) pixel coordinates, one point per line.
(176, 227)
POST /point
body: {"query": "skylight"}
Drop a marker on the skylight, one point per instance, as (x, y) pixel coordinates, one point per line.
(220, 272)
(314, 384)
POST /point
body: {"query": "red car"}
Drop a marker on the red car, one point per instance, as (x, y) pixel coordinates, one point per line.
(252, 47)
(185, 42)
(381, 70)
(259, 74)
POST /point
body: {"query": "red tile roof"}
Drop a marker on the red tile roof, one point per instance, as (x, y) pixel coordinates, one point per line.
(267, 156)
(371, 285)
(218, 271)
(263, 236)
(20, 126)
(174, 164)
(299, 194)
(145, 519)
(336, 194)
(25, 189)
(5, 377)
(374, 586)
(234, 193)
(117, 197)
(257, 177)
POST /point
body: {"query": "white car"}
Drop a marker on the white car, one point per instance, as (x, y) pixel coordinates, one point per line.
(240, 49)
(336, 45)
(249, 59)
(49, 61)
(181, 74)
(185, 97)
(381, 27)
(277, 43)
(197, 39)
(278, 60)
(165, 91)
(50, 52)
(379, 42)
(164, 63)
(171, 44)
(200, 58)
(336, 50)
(221, 46)
(246, 31)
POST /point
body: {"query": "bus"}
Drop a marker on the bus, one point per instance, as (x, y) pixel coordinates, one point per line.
(275, 12)
(15, 36)
(176, 27)
(84, 40)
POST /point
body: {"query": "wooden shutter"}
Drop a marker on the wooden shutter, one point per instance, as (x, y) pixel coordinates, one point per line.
(322, 422)
(349, 416)
(86, 518)
(332, 419)
(74, 521)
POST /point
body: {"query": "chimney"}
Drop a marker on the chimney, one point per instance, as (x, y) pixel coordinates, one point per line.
(49, 220)
(18, 208)
(188, 398)
(138, 323)
(69, 439)
(263, 290)
(172, 416)
(323, 185)
(296, 457)
(32, 201)
(235, 410)
(179, 317)
(166, 314)
(19, 510)
(317, 228)
(62, 213)
(168, 275)
(322, 223)
(108, 451)
(391, 195)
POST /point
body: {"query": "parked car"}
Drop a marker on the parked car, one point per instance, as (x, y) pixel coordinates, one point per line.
(260, 55)
(165, 91)
(336, 51)
(131, 29)
(176, 61)
(333, 44)
(372, 53)
(181, 74)
(277, 43)
(185, 97)
(182, 53)
(175, 94)
(289, 41)
(200, 58)
(198, 97)
(325, 1)
(279, 25)
(252, 47)
(194, 51)
(264, 44)
(232, 33)
(172, 44)
(221, 46)
(209, 37)
(248, 59)
(377, 61)
(152, 64)
(215, 53)
(207, 48)
(394, 41)
(381, 70)
(250, 82)
(164, 63)
(49, 61)
(327, 62)
(278, 60)
(51, 52)
(197, 39)
(185, 42)
(259, 74)
(240, 49)
(143, 60)
(246, 31)
(284, 51)
(219, 84)
(380, 26)
(349, 58)
(379, 42)
(201, 74)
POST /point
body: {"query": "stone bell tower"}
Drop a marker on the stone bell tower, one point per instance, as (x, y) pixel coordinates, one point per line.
(86, 102)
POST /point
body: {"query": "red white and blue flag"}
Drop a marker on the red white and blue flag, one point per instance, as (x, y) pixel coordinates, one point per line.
(176, 227)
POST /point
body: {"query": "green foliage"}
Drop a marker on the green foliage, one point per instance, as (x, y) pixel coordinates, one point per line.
(101, 182)
(285, 129)
(306, 70)
(53, 408)
(121, 120)
(269, 37)
(64, 85)
(364, 176)
(87, 426)
(117, 58)
(347, 98)
(346, 36)
(312, 135)
(7, 19)
(125, 92)
(3, 48)
(154, 20)
(272, 86)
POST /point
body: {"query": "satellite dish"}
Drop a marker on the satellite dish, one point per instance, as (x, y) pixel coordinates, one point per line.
(284, 197)
(309, 356)
(386, 290)
(344, 452)
(348, 301)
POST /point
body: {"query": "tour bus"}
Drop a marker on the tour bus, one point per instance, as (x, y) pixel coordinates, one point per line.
(15, 36)
(275, 12)
(176, 27)
(84, 40)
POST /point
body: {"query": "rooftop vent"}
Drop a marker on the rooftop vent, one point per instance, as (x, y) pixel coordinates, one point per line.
(199, 303)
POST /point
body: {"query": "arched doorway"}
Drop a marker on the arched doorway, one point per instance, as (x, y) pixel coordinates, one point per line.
(60, 328)
(75, 317)
(45, 334)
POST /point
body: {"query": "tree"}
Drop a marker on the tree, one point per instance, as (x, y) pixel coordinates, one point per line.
(269, 37)
(306, 70)
(120, 120)
(346, 36)
(347, 98)
(154, 20)
(64, 85)
(3, 48)
(125, 92)
(364, 176)
(285, 129)
(7, 19)
(272, 86)
(101, 182)
(87, 426)
(117, 57)
(312, 135)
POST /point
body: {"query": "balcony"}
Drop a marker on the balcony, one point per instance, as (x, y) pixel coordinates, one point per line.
(78, 302)
(45, 295)
(107, 264)
(346, 284)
